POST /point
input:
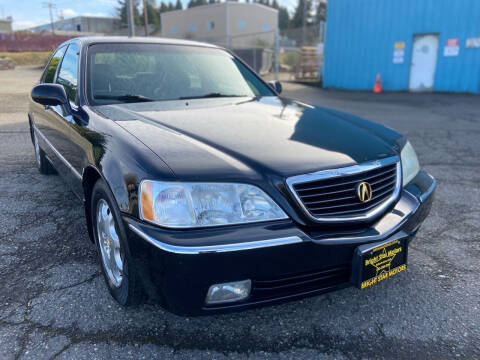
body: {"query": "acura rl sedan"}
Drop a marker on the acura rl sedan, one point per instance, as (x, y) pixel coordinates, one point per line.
(207, 191)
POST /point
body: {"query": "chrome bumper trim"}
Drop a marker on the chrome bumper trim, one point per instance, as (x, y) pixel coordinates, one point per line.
(192, 250)
(350, 170)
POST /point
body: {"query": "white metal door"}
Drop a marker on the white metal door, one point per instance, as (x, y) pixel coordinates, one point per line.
(424, 62)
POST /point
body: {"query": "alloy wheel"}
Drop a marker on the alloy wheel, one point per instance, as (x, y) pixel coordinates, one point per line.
(109, 242)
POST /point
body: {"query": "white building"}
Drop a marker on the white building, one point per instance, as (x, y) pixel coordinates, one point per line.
(6, 25)
(230, 24)
(87, 24)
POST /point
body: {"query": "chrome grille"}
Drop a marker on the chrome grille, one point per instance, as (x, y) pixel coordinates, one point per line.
(331, 195)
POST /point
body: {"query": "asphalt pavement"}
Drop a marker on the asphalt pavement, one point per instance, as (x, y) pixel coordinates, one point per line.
(54, 304)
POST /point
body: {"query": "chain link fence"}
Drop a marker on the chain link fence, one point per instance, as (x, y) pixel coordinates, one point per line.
(256, 49)
(301, 53)
(294, 54)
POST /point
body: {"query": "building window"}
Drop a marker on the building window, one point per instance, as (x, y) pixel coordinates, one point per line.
(265, 27)
(242, 25)
(174, 30)
(191, 28)
(210, 25)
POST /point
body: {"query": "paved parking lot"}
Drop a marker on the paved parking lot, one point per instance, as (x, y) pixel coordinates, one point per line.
(53, 303)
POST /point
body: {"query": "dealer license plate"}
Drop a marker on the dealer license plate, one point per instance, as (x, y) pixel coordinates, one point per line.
(373, 263)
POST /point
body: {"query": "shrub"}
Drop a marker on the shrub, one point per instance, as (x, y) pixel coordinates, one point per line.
(27, 58)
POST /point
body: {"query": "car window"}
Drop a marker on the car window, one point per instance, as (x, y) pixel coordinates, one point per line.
(51, 69)
(67, 75)
(155, 72)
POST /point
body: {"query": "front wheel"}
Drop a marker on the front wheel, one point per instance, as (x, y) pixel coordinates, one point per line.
(118, 267)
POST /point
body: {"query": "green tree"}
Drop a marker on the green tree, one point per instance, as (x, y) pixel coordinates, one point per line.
(193, 3)
(178, 5)
(161, 9)
(297, 19)
(283, 18)
(321, 14)
(171, 6)
(122, 13)
(152, 15)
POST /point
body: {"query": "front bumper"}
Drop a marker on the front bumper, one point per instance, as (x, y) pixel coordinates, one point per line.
(283, 260)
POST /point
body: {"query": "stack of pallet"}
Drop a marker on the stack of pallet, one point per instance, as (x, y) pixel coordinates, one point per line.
(307, 68)
(6, 64)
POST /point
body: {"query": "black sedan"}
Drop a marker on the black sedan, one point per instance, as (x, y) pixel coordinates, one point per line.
(205, 190)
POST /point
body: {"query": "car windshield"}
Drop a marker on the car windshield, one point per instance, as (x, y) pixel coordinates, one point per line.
(119, 73)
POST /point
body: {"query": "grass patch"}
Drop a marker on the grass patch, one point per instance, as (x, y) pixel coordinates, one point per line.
(27, 58)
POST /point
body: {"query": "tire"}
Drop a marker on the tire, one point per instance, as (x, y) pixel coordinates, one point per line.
(118, 266)
(43, 164)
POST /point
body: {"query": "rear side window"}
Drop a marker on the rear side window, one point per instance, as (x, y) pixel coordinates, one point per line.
(67, 75)
(52, 66)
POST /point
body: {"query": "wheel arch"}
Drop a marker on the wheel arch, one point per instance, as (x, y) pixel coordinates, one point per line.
(30, 123)
(116, 183)
(90, 176)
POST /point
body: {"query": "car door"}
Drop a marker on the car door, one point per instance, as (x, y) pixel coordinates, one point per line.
(65, 118)
(46, 129)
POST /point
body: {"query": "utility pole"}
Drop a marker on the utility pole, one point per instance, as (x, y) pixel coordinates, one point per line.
(131, 24)
(50, 6)
(145, 17)
(304, 22)
(227, 20)
(277, 52)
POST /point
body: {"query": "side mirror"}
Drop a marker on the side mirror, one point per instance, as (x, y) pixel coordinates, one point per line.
(276, 85)
(49, 94)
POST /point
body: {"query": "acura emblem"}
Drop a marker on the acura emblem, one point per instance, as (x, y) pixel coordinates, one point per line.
(364, 191)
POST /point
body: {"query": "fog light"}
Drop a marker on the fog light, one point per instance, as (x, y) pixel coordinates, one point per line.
(228, 292)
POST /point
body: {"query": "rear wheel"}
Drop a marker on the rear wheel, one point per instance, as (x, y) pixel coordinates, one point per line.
(43, 164)
(118, 266)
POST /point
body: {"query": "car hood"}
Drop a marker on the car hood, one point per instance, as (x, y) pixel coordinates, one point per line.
(244, 137)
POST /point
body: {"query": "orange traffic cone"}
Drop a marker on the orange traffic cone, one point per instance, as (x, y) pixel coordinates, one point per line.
(377, 88)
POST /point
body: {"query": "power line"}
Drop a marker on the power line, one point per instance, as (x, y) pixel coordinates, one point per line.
(145, 17)
(50, 6)
(304, 21)
(131, 23)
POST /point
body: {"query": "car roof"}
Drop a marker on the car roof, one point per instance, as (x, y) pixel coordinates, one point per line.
(87, 40)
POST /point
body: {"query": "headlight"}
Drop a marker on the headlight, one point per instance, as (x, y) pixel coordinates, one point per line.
(182, 205)
(410, 165)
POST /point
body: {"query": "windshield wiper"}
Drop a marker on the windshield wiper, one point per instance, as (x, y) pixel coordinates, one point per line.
(126, 98)
(210, 95)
